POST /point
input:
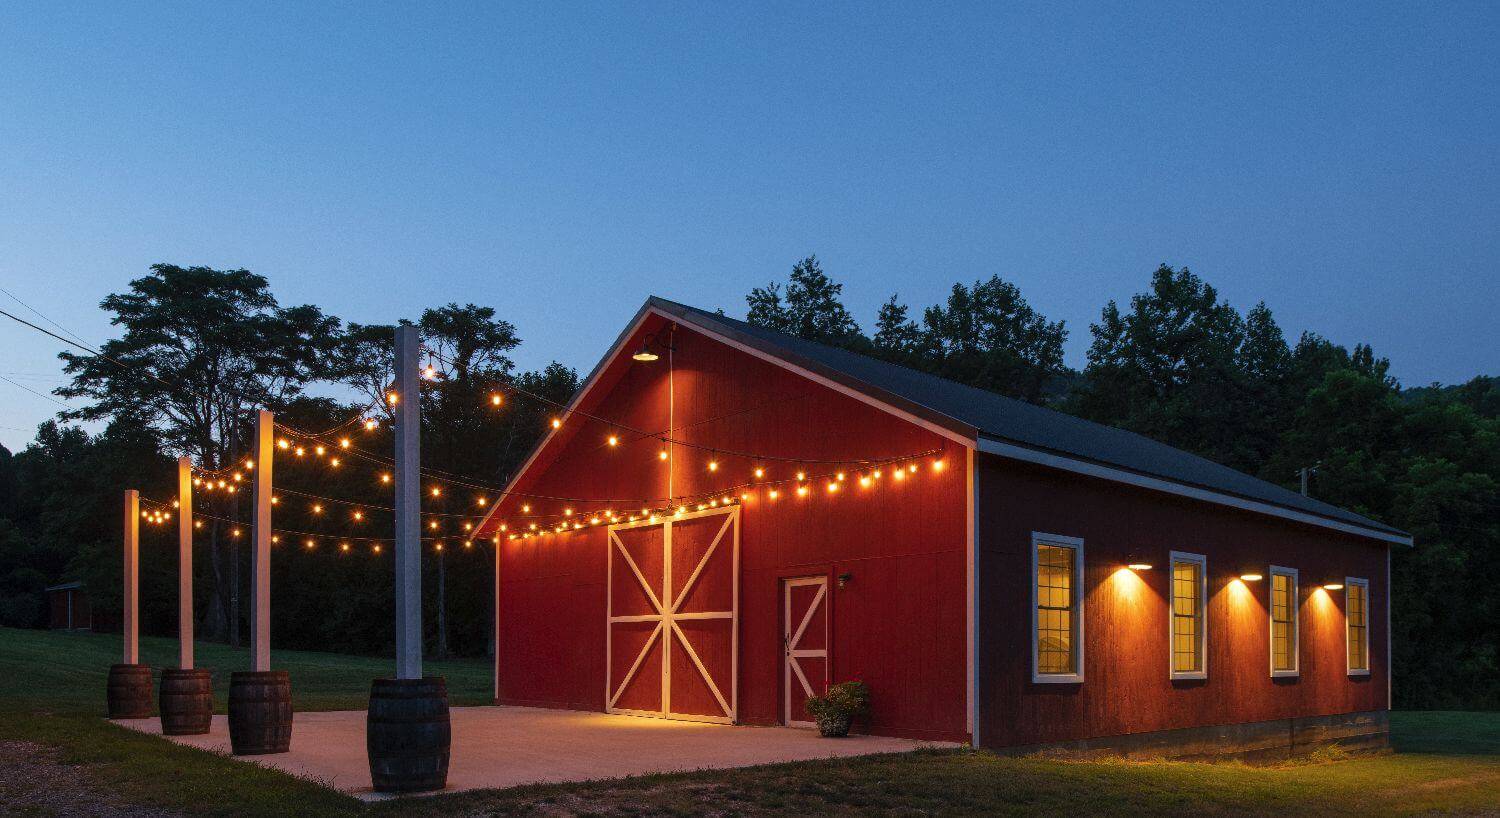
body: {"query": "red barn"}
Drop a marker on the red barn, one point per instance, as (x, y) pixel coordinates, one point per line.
(726, 519)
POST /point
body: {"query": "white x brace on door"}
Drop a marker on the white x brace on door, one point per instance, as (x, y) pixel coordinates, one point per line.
(804, 637)
(672, 635)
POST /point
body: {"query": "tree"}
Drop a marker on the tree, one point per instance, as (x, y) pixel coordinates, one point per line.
(988, 336)
(66, 521)
(200, 349)
(810, 307)
(1169, 368)
(896, 336)
(463, 431)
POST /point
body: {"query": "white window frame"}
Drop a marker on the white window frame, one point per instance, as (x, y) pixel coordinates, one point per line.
(1202, 562)
(1296, 631)
(1350, 582)
(1075, 543)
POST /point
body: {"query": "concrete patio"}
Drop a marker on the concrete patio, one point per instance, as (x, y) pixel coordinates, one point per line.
(495, 747)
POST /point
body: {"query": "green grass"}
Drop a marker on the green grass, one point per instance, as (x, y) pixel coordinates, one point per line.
(52, 693)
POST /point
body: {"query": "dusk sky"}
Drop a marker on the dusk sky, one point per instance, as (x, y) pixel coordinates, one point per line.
(1338, 162)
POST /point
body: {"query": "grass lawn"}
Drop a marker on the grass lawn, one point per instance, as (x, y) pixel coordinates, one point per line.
(58, 754)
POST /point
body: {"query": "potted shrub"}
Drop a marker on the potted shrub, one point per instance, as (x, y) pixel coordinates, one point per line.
(838, 706)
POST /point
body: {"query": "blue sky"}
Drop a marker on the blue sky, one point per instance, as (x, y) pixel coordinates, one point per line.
(562, 162)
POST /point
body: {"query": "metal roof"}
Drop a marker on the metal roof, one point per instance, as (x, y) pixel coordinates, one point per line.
(1012, 421)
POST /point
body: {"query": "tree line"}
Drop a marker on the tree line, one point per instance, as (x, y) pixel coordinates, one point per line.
(199, 348)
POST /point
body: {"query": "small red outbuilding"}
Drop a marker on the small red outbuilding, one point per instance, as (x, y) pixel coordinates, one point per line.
(68, 607)
(726, 519)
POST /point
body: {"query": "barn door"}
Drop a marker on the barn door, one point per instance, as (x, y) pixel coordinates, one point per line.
(804, 637)
(673, 617)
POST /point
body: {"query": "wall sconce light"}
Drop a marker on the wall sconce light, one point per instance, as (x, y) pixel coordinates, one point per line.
(1251, 576)
(645, 354)
(844, 579)
(1137, 563)
(1333, 586)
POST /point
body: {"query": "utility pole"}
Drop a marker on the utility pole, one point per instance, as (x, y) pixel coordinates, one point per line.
(1306, 472)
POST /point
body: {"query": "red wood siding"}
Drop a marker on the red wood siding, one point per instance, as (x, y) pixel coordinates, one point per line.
(900, 623)
(1127, 687)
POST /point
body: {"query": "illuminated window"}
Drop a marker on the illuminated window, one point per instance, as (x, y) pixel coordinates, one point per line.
(1057, 608)
(1189, 634)
(1357, 624)
(1283, 621)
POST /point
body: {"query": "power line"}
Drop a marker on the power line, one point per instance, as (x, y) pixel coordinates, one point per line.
(38, 313)
(67, 406)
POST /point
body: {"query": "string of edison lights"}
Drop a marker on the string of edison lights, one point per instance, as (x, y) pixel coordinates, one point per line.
(872, 468)
(215, 479)
(159, 515)
(320, 447)
(894, 470)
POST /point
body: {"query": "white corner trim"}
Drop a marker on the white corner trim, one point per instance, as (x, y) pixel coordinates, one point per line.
(1075, 543)
(1011, 450)
(1202, 562)
(1390, 694)
(973, 591)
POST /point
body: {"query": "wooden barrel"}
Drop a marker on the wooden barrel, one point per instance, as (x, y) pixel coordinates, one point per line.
(407, 734)
(187, 701)
(129, 691)
(260, 712)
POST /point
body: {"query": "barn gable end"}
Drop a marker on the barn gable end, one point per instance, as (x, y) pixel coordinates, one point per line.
(898, 617)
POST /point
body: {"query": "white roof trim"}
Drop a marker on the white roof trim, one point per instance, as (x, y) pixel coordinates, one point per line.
(1015, 452)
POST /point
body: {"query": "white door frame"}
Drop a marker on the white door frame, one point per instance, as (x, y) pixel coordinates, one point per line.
(791, 634)
(666, 617)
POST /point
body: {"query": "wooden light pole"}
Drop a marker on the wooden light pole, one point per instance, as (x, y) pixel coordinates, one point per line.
(132, 573)
(260, 699)
(407, 732)
(129, 686)
(408, 504)
(184, 564)
(260, 548)
(187, 693)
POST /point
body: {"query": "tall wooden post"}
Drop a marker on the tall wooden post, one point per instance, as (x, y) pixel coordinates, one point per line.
(132, 576)
(407, 733)
(408, 410)
(129, 685)
(187, 694)
(184, 563)
(260, 699)
(260, 548)
(495, 644)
